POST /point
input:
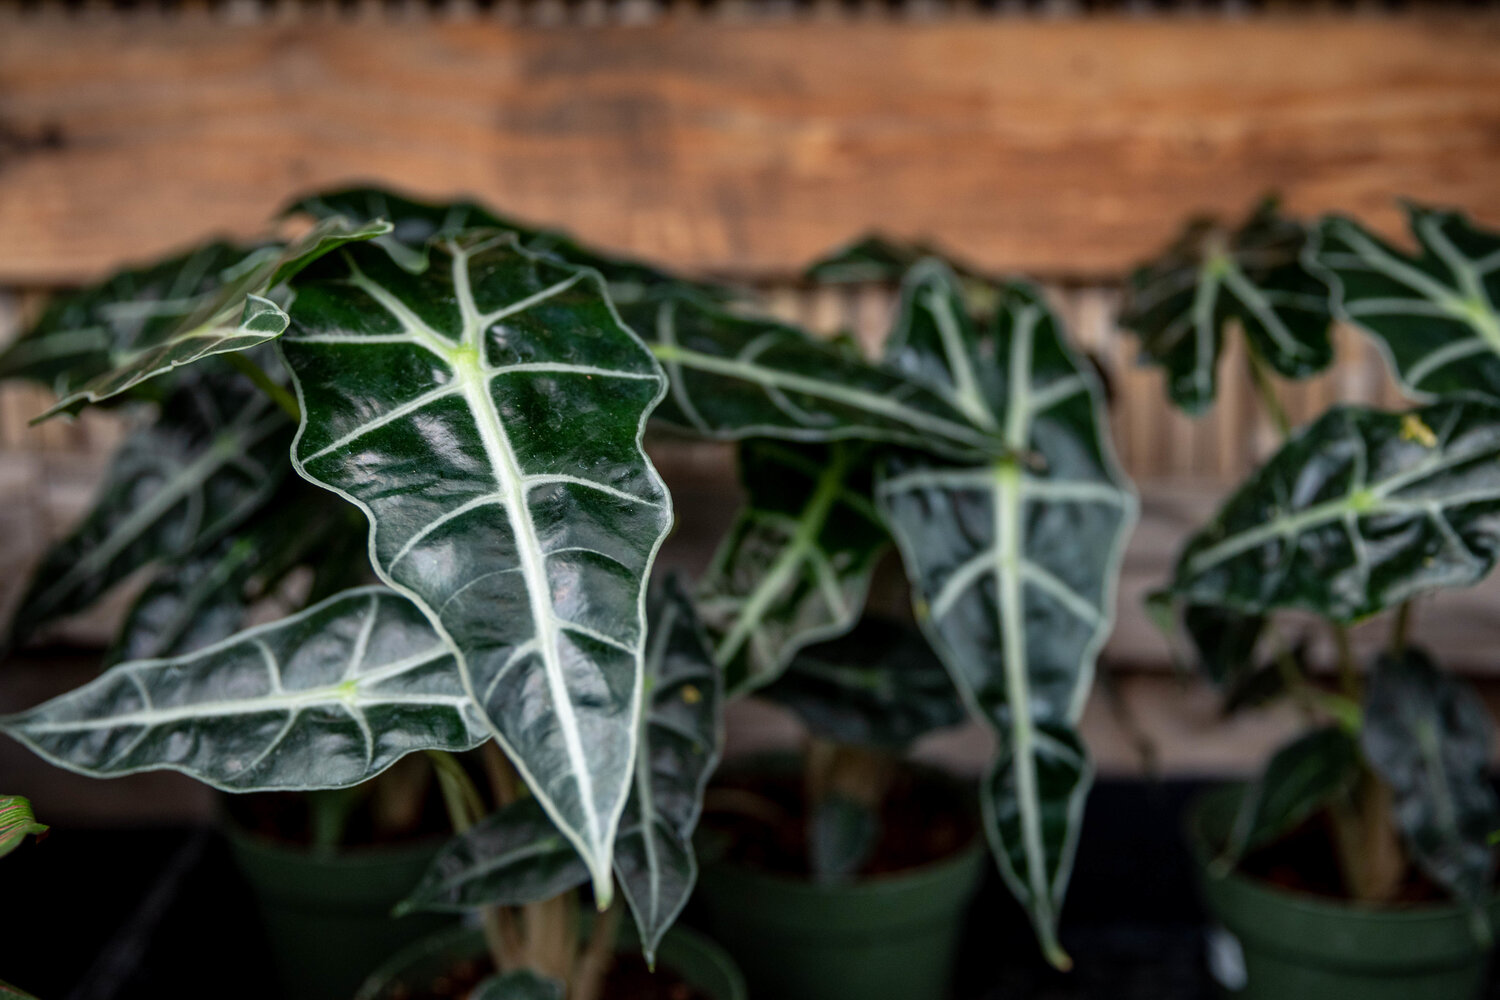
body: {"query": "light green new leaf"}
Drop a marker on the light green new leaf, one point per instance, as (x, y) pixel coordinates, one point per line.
(83, 334)
(1299, 779)
(1428, 736)
(518, 984)
(487, 416)
(1181, 303)
(1435, 314)
(795, 566)
(213, 457)
(1356, 513)
(326, 698)
(681, 733)
(880, 685)
(235, 317)
(512, 857)
(736, 377)
(1014, 562)
(17, 822)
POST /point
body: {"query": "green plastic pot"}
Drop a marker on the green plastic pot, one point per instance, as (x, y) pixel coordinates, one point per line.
(1276, 944)
(891, 937)
(699, 961)
(328, 916)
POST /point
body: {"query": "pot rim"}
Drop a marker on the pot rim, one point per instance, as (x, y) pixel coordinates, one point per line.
(1308, 902)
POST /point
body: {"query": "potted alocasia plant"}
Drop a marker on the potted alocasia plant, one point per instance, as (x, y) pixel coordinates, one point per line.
(1358, 863)
(478, 390)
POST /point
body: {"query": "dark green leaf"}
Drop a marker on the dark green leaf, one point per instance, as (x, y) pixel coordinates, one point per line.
(487, 415)
(796, 564)
(880, 685)
(236, 316)
(518, 984)
(212, 458)
(1298, 781)
(681, 735)
(418, 223)
(323, 699)
(1224, 640)
(204, 598)
(1014, 562)
(1433, 313)
(1356, 513)
(511, 857)
(871, 258)
(736, 377)
(84, 334)
(841, 836)
(17, 822)
(9, 992)
(1181, 303)
(1428, 737)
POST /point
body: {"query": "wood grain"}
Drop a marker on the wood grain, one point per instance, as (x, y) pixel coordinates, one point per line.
(1067, 148)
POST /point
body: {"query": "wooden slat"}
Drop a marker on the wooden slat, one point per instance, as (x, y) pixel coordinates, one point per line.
(1069, 147)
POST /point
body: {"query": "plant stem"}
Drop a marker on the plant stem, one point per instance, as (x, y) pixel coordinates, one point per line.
(598, 956)
(329, 817)
(1401, 628)
(265, 383)
(1260, 373)
(465, 808)
(1348, 672)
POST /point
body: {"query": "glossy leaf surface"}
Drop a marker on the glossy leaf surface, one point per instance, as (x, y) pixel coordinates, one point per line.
(1181, 304)
(795, 566)
(1014, 562)
(1435, 313)
(513, 856)
(487, 415)
(1356, 513)
(736, 377)
(17, 822)
(213, 457)
(518, 984)
(237, 316)
(681, 735)
(1428, 736)
(1299, 780)
(881, 685)
(325, 698)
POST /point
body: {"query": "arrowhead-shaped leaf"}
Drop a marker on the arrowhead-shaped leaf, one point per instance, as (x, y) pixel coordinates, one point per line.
(235, 317)
(1428, 737)
(1299, 780)
(1356, 513)
(325, 698)
(487, 415)
(519, 984)
(1181, 303)
(1435, 314)
(881, 685)
(681, 735)
(211, 459)
(796, 564)
(512, 857)
(17, 822)
(735, 377)
(84, 334)
(1014, 562)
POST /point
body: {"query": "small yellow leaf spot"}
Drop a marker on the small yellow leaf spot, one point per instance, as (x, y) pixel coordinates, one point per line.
(1412, 429)
(691, 694)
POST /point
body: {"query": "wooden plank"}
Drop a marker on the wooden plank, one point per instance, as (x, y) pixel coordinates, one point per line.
(1067, 147)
